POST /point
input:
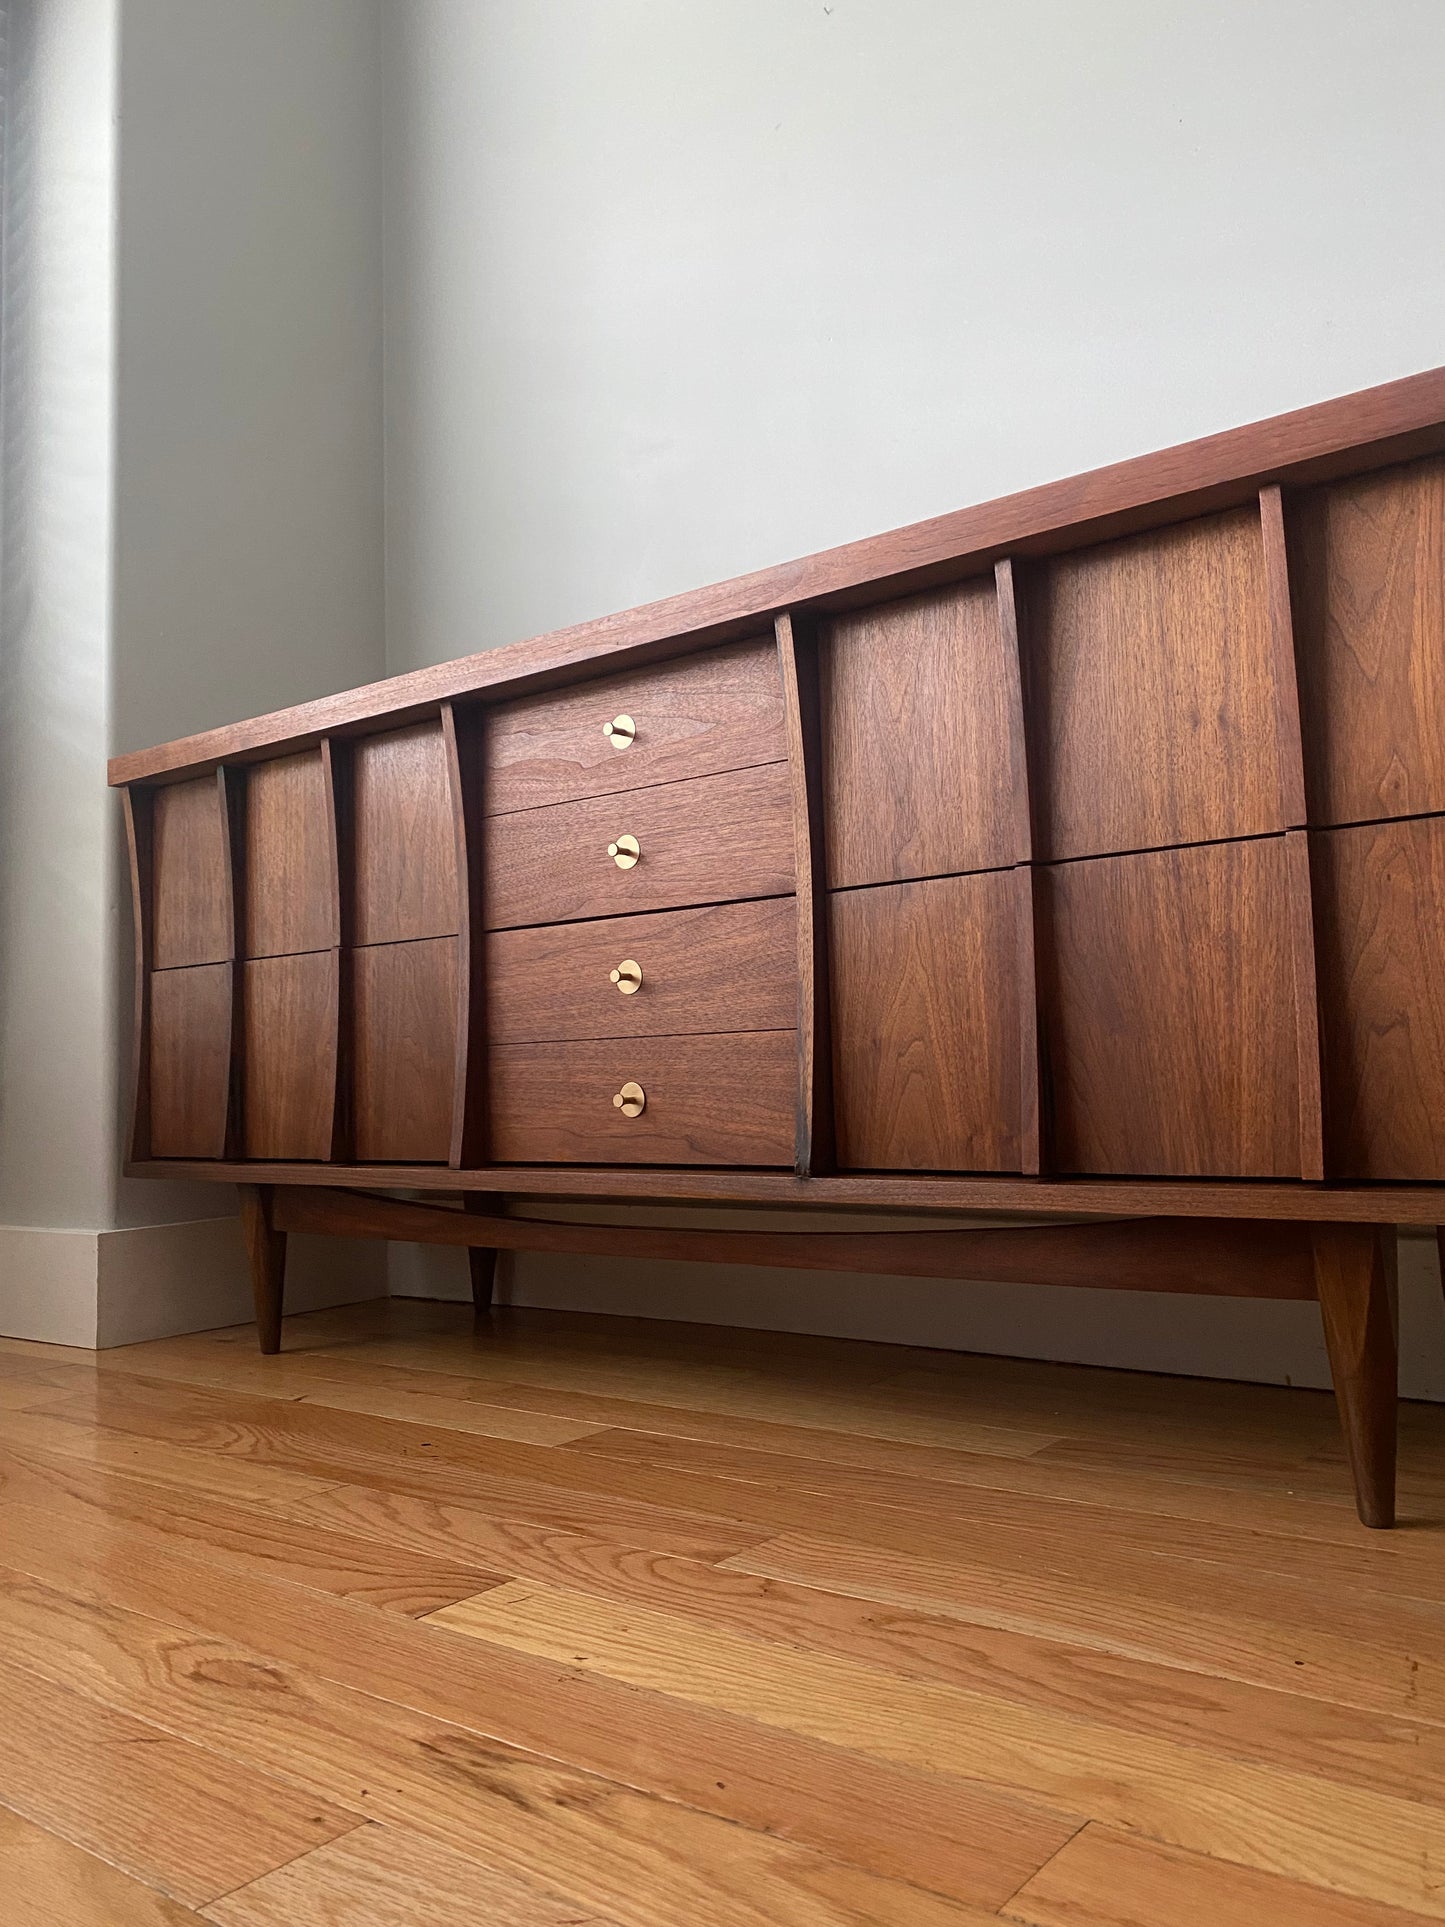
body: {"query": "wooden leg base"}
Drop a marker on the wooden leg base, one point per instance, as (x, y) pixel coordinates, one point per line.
(266, 1247)
(483, 1261)
(1355, 1281)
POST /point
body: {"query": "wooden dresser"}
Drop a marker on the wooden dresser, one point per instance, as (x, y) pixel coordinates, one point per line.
(1079, 857)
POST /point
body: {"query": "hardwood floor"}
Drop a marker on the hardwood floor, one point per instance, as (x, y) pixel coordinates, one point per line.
(583, 1622)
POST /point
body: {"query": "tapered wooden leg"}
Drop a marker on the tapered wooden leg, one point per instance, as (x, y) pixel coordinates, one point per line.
(267, 1248)
(481, 1258)
(1355, 1280)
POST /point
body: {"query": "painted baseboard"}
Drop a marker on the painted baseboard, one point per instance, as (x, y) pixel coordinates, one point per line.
(1265, 1342)
(101, 1288)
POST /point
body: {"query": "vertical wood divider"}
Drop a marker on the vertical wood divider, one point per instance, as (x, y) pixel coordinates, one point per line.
(814, 1138)
(137, 804)
(1032, 1160)
(231, 788)
(1289, 751)
(336, 768)
(464, 733)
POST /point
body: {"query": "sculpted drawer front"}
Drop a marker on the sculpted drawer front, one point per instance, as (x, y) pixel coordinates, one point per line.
(660, 1100)
(703, 714)
(731, 968)
(1169, 1012)
(710, 840)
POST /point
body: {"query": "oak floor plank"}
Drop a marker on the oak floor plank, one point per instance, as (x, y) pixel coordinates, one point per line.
(1009, 1460)
(279, 1378)
(354, 1446)
(646, 1862)
(969, 1842)
(700, 1387)
(387, 1877)
(259, 1539)
(242, 1458)
(1373, 1845)
(1400, 1563)
(588, 1411)
(1247, 1623)
(1103, 1878)
(47, 1882)
(1279, 1726)
(1382, 1663)
(168, 1813)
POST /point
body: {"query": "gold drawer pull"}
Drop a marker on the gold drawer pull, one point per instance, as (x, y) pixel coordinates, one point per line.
(627, 976)
(625, 851)
(631, 1100)
(620, 731)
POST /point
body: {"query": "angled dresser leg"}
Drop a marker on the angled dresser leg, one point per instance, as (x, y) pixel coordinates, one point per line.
(1355, 1279)
(481, 1258)
(267, 1249)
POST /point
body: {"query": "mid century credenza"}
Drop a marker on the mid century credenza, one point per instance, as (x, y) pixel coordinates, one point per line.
(1078, 859)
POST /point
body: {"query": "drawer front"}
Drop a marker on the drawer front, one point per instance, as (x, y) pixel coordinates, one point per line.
(1169, 1022)
(708, 1100)
(688, 971)
(710, 840)
(696, 717)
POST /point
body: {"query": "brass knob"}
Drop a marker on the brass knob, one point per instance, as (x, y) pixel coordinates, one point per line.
(620, 731)
(627, 976)
(625, 851)
(631, 1100)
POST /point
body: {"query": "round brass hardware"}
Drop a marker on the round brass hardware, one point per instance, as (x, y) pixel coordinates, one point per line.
(625, 851)
(631, 1100)
(627, 976)
(620, 731)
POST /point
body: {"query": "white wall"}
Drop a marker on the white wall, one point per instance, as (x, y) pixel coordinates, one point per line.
(193, 533)
(674, 292)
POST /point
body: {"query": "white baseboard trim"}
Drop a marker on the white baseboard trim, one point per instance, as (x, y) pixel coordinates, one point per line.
(97, 1289)
(1262, 1341)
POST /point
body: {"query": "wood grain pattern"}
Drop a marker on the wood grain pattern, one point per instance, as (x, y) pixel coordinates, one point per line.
(706, 840)
(1395, 422)
(1369, 558)
(920, 777)
(136, 806)
(464, 738)
(266, 1252)
(926, 1022)
(1355, 1280)
(45, 1881)
(815, 1133)
(404, 851)
(190, 1060)
(191, 912)
(1152, 678)
(163, 1810)
(710, 1100)
(291, 858)
(1104, 1878)
(1380, 912)
(1309, 1829)
(1279, 594)
(732, 967)
(291, 1030)
(1224, 1259)
(253, 1532)
(416, 1745)
(404, 1050)
(1170, 1013)
(1140, 1600)
(389, 1877)
(697, 717)
(1299, 890)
